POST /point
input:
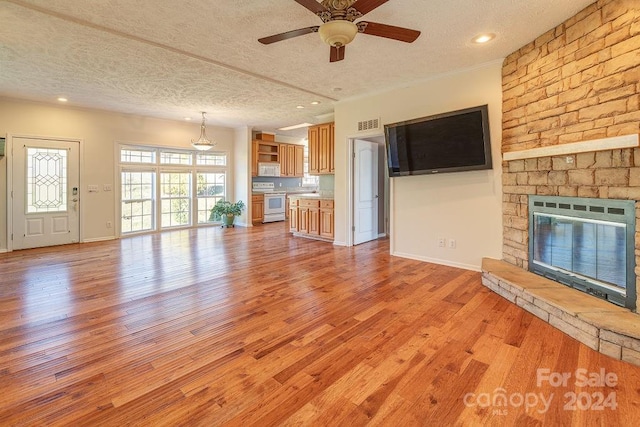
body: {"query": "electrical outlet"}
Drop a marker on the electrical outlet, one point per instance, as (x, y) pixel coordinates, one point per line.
(452, 243)
(442, 242)
(109, 224)
(107, 187)
(569, 159)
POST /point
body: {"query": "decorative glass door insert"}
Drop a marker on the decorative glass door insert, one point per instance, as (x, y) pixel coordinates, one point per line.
(46, 180)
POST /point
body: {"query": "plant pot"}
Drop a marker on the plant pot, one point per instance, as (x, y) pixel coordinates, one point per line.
(227, 220)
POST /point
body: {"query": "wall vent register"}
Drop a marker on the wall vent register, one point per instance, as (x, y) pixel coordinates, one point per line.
(587, 244)
(368, 124)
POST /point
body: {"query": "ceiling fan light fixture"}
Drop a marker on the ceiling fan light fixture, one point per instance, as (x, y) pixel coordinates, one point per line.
(338, 33)
(203, 144)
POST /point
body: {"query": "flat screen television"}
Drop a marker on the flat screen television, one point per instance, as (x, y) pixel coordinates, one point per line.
(449, 142)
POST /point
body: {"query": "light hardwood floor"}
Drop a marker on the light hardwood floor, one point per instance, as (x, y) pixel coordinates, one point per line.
(255, 327)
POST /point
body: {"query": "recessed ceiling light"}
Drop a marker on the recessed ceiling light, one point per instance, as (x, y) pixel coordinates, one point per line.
(187, 118)
(483, 38)
(315, 102)
(62, 99)
(300, 107)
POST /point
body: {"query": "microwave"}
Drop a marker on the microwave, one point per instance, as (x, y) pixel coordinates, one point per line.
(268, 169)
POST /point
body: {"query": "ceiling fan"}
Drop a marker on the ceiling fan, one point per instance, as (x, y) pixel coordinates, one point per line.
(338, 28)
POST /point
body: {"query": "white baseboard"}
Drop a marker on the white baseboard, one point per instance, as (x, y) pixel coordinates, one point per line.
(3, 251)
(339, 243)
(438, 261)
(99, 239)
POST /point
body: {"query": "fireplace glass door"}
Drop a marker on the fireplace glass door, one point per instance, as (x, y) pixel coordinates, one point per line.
(592, 249)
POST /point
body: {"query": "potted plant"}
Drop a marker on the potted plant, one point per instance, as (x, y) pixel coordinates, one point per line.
(226, 211)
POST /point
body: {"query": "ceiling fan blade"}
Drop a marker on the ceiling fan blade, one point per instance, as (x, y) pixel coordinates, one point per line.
(366, 6)
(337, 54)
(312, 5)
(389, 31)
(288, 35)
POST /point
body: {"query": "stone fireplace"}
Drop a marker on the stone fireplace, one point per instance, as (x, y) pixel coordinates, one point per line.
(571, 120)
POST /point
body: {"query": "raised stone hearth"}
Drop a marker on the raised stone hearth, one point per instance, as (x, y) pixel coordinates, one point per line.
(602, 326)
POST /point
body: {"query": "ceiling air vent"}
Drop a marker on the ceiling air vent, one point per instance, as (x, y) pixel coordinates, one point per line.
(369, 125)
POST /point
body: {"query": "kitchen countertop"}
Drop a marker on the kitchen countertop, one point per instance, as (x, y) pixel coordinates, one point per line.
(310, 196)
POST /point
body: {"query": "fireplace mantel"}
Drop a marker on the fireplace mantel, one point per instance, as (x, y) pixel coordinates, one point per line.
(613, 143)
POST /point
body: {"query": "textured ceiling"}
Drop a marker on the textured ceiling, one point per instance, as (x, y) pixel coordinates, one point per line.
(172, 59)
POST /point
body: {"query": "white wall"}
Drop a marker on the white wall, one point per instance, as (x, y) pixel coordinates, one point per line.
(465, 206)
(99, 132)
(242, 173)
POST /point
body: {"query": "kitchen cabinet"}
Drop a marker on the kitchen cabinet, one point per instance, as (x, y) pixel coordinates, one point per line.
(314, 221)
(314, 141)
(311, 217)
(291, 160)
(263, 152)
(254, 158)
(326, 219)
(257, 208)
(293, 214)
(321, 149)
(332, 154)
(298, 164)
(303, 219)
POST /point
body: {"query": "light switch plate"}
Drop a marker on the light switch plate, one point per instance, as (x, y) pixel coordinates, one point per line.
(92, 188)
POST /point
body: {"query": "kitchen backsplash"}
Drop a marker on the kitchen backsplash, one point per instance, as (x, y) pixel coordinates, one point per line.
(327, 183)
(285, 184)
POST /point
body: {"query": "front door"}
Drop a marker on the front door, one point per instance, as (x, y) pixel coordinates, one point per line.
(46, 192)
(365, 170)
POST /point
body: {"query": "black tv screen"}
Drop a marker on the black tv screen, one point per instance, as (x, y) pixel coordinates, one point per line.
(450, 142)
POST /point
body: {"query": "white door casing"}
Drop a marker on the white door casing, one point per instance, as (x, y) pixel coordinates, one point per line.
(365, 191)
(45, 192)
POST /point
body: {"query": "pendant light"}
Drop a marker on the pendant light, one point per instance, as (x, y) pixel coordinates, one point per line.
(202, 144)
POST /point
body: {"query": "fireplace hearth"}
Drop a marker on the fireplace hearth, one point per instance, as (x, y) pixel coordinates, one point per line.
(587, 244)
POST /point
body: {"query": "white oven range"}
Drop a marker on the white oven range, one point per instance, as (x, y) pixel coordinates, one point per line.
(274, 201)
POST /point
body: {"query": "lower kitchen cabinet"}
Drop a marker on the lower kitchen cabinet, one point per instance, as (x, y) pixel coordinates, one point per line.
(326, 219)
(303, 220)
(293, 214)
(257, 208)
(314, 221)
(312, 218)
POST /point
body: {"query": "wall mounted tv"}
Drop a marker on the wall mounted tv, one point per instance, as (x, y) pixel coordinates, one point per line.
(449, 142)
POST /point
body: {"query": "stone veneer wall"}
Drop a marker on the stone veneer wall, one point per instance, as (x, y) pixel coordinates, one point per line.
(579, 81)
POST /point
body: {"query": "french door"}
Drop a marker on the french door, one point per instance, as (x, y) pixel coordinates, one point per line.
(46, 192)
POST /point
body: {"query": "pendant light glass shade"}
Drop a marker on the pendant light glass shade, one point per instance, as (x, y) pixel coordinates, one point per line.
(202, 143)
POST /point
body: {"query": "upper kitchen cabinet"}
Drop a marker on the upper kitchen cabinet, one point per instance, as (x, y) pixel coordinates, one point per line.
(267, 152)
(291, 160)
(264, 149)
(321, 149)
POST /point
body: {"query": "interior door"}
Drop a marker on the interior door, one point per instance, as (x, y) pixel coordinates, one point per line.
(46, 192)
(365, 171)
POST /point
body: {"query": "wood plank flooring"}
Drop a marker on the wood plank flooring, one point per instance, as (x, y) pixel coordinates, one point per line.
(250, 326)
